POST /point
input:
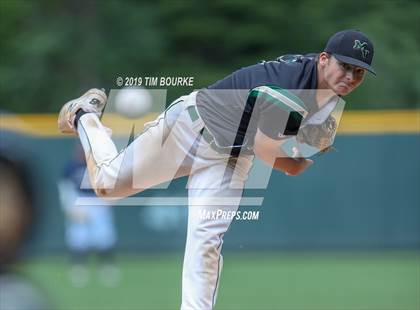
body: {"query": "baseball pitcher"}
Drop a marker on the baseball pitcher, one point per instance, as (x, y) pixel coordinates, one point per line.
(212, 135)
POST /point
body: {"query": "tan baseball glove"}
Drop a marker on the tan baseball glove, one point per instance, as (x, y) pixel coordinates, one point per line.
(320, 136)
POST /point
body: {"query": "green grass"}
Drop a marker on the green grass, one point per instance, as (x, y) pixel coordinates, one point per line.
(295, 281)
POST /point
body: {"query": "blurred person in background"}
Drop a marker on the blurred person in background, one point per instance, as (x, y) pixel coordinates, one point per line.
(89, 229)
(17, 291)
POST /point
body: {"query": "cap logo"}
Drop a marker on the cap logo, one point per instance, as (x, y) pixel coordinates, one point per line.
(362, 47)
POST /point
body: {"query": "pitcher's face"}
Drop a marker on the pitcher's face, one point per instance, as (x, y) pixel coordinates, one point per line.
(341, 77)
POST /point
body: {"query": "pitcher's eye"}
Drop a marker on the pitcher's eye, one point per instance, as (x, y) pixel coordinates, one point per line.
(348, 67)
(360, 71)
(342, 65)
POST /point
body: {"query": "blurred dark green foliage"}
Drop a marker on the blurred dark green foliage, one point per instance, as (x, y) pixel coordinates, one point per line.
(54, 50)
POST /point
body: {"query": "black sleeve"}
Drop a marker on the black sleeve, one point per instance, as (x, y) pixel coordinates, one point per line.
(276, 118)
(272, 120)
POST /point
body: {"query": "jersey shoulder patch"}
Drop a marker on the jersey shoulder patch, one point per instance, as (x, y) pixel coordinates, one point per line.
(296, 58)
(289, 58)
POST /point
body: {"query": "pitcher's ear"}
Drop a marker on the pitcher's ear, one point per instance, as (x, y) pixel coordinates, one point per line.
(323, 58)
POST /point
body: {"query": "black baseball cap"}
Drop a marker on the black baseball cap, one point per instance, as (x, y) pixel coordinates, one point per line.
(352, 47)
